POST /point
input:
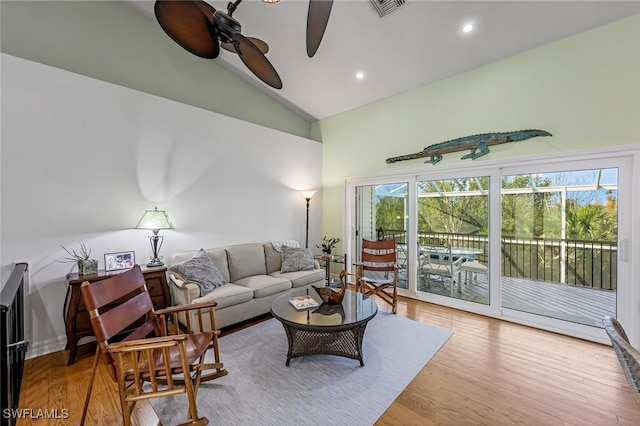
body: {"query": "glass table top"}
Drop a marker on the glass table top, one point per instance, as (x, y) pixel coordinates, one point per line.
(354, 308)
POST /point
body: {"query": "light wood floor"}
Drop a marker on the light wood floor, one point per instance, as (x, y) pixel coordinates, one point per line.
(490, 372)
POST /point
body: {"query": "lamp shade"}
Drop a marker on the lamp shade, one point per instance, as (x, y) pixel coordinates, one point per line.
(308, 194)
(154, 219)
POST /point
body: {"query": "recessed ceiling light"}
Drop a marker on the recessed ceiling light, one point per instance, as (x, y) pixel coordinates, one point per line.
(359, 75)
(467, 28)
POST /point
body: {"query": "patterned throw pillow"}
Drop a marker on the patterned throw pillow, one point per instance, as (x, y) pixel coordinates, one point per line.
(201, 270)
(296, 259)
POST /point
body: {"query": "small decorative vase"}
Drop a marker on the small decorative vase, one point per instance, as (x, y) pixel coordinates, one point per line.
(331, 296)
(327, 251)
(86, 267)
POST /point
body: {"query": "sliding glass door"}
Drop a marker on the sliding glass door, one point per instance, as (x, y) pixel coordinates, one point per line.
(542, 243)
(382, 213)
(560, 244)
(453, 238)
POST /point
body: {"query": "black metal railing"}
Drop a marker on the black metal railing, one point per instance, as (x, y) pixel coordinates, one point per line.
(12, 343)
(531, 258)
(399, 235)
(574, 262)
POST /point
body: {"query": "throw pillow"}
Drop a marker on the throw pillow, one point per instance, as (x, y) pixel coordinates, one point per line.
(296, 259)
(201, 270)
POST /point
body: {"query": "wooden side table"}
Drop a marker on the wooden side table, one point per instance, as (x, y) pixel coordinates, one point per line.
(76, 317)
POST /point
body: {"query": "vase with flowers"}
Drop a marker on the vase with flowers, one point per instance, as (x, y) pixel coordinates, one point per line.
(82, 258)
(328, 244)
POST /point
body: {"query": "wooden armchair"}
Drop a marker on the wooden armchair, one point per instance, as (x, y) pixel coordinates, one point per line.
(155, 351)
(377, 274)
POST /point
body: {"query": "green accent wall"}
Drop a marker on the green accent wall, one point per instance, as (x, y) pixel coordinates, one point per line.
(111, 41)
(585, 90)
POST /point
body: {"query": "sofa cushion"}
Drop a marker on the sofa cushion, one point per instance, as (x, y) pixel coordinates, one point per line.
(218, 255)
(272, 257)
(296, 259)
(201, 270)
(278, 244)
(302, 278)
(227, 295)
(246, 260)
(264, 285)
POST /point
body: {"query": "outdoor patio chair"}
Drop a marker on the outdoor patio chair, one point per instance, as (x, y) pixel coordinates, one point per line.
(628, 356)
(377, 274)
(472, 267)
(401, 255)
(438, 264)
(155, 350)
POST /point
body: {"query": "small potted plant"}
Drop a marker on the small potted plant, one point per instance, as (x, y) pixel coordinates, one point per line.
(328, 244)
(81, 257)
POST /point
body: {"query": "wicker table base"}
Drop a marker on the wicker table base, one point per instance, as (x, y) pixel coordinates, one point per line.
(329, 329)
(346, 343)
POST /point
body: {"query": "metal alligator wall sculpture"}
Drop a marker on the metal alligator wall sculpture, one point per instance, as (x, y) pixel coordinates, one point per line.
(478, 144)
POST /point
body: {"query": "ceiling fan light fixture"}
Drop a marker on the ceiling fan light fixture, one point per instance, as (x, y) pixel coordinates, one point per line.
(271, 1)
(200, 29)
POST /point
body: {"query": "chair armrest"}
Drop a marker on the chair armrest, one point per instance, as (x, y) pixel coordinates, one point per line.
(185, 308)
(150, 360)
(143, 344)
(194, 325)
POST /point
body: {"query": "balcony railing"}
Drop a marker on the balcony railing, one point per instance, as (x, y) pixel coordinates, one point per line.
(12, 343)
(575, 262)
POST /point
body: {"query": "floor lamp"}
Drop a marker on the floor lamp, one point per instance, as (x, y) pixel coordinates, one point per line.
(307, 196)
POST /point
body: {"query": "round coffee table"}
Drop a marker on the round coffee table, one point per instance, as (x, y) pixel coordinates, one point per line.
(326, 329)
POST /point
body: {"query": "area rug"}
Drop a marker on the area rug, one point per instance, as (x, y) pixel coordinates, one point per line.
(314, 390)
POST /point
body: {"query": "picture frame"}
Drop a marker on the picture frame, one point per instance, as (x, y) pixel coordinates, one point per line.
(119, 261)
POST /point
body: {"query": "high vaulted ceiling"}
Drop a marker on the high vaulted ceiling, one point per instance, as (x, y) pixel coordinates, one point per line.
(419, 43)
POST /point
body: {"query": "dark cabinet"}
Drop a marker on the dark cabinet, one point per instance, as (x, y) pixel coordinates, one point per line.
(76, 317)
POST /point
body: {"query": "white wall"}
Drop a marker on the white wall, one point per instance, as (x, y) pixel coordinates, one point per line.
(584, 90)
(81, 160)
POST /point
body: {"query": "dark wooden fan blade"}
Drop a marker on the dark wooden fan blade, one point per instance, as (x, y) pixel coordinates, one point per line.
(317, 19)
(261, 45)
(187, 24)
(255, 60)
(206, 8)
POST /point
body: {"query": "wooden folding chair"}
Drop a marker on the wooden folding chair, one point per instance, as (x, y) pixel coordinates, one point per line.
(377, 273)
(154, 348)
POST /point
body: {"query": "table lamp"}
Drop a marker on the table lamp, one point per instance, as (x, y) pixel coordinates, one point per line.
(155, 220)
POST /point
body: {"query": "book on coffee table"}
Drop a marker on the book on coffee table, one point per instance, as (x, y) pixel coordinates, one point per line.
(303, 302)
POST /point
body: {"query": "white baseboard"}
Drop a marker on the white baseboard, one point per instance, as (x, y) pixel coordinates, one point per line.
(48, 346)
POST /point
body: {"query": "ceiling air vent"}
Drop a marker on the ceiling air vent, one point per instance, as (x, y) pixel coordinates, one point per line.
(385, 7)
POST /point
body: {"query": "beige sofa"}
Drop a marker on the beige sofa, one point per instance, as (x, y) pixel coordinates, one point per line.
(253, 281)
